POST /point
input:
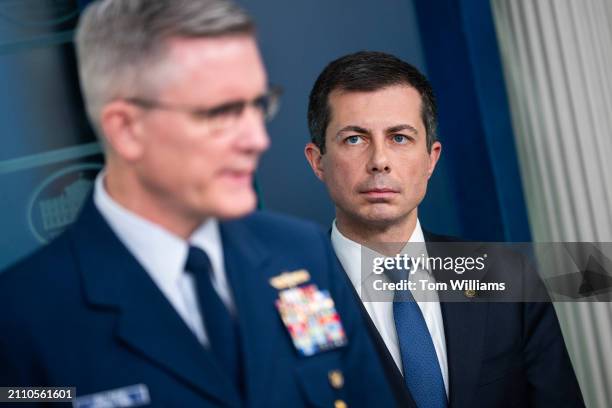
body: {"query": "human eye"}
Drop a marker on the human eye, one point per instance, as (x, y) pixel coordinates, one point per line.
(401, 139)
(353, 140)
(221, 111)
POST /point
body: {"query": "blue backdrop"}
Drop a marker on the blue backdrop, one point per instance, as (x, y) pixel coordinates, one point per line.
(48, 154)
(476, 190)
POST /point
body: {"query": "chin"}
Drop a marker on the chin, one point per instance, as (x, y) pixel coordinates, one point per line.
(380, 214)
(381, 219)
(380, 222)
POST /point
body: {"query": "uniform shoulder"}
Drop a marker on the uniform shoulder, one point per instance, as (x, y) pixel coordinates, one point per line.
(268, 223)
(295, 243)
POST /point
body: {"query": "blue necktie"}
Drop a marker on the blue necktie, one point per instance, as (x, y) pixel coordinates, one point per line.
(419, 360)
(221, 327)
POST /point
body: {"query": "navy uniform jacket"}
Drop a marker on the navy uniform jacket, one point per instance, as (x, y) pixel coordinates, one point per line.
(500, 354)
(82, 312)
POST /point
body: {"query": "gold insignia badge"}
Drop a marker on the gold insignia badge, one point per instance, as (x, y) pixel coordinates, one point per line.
(290, 279)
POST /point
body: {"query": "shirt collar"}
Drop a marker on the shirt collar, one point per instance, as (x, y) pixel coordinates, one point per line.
(160, 252)
(349, 251)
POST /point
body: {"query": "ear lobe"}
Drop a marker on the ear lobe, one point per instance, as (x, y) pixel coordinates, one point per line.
(122, 130)
(314, 156)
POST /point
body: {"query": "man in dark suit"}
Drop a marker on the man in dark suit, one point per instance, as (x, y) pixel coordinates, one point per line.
(166, 292)
(372, 120)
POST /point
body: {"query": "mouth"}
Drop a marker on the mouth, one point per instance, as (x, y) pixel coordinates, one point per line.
(380, 193)
(239, 177)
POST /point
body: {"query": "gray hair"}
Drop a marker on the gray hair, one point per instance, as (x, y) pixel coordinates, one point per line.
(120, 43)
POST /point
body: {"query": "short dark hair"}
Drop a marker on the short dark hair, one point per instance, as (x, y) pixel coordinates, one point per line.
(367, 71)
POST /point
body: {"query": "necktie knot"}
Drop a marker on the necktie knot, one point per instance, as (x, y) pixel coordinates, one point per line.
(397, 274)
(198, 263)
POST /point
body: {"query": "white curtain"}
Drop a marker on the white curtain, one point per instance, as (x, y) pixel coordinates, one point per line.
(557, 58)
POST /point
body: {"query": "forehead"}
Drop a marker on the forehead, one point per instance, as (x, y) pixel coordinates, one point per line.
(381, 108)
(220, 67)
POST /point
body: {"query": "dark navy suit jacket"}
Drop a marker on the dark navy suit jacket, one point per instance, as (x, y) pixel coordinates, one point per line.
(82, 312)
(499, 354)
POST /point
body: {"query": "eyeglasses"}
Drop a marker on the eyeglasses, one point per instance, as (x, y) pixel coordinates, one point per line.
(222, 116)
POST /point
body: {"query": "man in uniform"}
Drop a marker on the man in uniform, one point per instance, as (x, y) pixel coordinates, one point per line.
(167, 291)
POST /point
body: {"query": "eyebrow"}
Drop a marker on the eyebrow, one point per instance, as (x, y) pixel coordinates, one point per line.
(352, 128)
(399, 128)
(392, 129)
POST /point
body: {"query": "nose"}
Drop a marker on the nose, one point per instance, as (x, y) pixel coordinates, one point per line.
(379, 160)
(254, 136)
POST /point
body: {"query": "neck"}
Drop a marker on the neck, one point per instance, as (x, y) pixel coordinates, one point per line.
(124, 188)
(370, 234)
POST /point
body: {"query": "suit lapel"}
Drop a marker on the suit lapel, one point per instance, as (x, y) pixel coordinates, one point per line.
(147, 322)
(402, 395)
(150, 326)
(464, 325)
(247, 266)
(464, 328)
(395, 378)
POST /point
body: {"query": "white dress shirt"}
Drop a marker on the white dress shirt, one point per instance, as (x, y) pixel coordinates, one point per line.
(163, 255)
(381, 313)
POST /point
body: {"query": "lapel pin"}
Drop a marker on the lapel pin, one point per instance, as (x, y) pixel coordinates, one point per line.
(470, 293)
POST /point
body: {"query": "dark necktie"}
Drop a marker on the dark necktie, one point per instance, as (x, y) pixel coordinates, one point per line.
(221, 327)
(422, 373)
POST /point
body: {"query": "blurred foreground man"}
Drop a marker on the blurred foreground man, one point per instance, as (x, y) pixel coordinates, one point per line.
(372, 120)
(165, 292)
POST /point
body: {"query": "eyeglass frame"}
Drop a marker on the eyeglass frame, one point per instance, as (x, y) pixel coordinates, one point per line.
(236, 107)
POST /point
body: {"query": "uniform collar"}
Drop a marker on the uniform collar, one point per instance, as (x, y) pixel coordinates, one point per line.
(161, 253)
